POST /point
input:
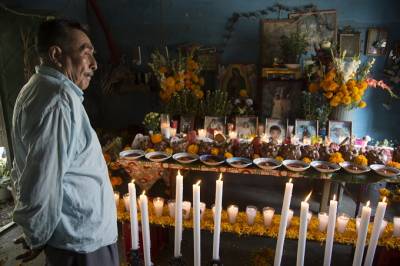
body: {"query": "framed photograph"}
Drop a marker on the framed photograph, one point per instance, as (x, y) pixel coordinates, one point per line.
(246, 126)
(376, 41)
(349, 42)
(236, 77)
(186, 124)
(213, 124)
(338, 131)
(305, 129)
(275, 130)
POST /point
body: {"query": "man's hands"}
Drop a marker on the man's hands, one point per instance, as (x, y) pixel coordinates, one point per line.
(30, 254)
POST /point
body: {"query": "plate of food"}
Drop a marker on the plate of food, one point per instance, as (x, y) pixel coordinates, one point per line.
(384, 170)
(212, 160)
(157, 156)
(325, 167)
(239, 162)
(354, 168)
(185, 158)
(267, 163)
(296, 165)
(131, 154)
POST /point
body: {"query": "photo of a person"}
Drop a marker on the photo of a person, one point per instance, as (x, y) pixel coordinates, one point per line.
(275, 130)
(305, 129)
(186, 124)
(338, 131)
(213, 124)
(246, 127)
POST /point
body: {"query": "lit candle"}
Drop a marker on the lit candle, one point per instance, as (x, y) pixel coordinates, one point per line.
(330, 232)
(178, 215)
(341, 224)
(306, 141)
(232, 213)
(126, 201)
(172, 131)
(201, 133)
(116, 198)
(376, 229)
(268, 214)
(202, 209)
(362, 232)
(396, 226)
(282, 225)
(251, 212)
(232, 134)
(165, 130)
(196, 223)
(289, 218)
(171, 208)
(323, 221)
(217, 219)
(158, 206)
(186, 206)
(133, 215)
(301, 246)
(216, 132)
(145, 229)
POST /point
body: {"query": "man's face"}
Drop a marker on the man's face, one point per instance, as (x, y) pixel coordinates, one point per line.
(78, 60)
(275, 134)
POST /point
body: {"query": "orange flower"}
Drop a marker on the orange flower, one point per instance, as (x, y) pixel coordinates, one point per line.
(243, 93)
(361, 160)
(328, 95)
(193, 149)
(313, 87)
(199, 94)
(156, 138)
(351, 83)
(170, 82)
(116, 181)
(362, 104)
(346, 100)
(201, 81)
(215, 151)
(163, 70)
(306, 160)
(107, 157)
(228, 155)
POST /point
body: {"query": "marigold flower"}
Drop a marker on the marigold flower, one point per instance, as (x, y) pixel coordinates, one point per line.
(346, 100)
(328, 95)
(362, 104)
(361, 160)
(313, 87)
(193, 149)
(243, 93)
(170, 82)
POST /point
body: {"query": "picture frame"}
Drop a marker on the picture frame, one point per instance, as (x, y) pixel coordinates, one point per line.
(213, 124)
(305, 129)
(377, 39)
(246, 126)
(275, 130)
(338, 131)
(186, 124)
(236, 77)
(350, 42)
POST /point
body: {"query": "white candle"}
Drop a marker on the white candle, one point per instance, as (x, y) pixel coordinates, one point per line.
(196, 224)
(171, 208)
(158, 206)
(396, 226)
(330, 232)
(202, 209)
(145, 229)
(376, 229)
(116, 198)
(232, 213)
(217, 219)
(232, 134)
(289, 218)
(172, 131)
(165, 130)
(251, 213)
(301, 246)
(342, 222)
(362, 234)
(268, 214)
(133, 215)
(201, 133)
(126, 201)
(178, 215)
(323, 221)
(186, 206)
(307, 141)
(282, 225)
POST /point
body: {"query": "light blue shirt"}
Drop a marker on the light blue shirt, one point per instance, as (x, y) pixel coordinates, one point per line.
(64, 194)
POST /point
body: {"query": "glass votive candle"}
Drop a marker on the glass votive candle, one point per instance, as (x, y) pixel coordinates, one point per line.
(396, 226)
(171, 208)
(323, 221)
(251, 212)
(383, 226)
(172, 132)
(289, 217)
(116, 198)
(158, 206)
(233, 210)
(341, 222)
(186, 206)
(202, 209)
(126, 202)
(268, 214)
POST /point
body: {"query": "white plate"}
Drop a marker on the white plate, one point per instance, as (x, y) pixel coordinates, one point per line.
(384, 170)
(185, 158)
(131, 154)
(331, 167)
(153, 154)
(245, 162)
(259, 162)
(303, 166)
(348, 167)
(218, 159)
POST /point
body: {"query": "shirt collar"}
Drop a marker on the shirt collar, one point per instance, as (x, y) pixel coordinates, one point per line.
(49, 71)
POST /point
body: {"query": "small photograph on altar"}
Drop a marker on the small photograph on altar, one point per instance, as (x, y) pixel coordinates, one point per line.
(246, 126)
(305, 130)
(275, 130)
(186, 124)
(214, 125)
(338, 131)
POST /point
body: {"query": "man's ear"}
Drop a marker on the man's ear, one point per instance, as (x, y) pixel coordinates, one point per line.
(55, 55)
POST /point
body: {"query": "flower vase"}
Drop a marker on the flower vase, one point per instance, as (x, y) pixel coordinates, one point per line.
(342, 113)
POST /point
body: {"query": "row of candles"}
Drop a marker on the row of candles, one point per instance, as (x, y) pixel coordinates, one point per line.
(180, 209)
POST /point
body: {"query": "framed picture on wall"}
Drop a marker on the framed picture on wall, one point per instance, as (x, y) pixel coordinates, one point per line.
(236, 77)
(349, 42)
(376, 43)
(186, 124)
(338, 131)
(246, 126)
(213, 124)
(275, 130)
(305, 129)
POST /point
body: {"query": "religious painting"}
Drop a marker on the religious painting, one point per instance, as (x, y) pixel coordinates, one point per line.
(275, 130)
(213, 124)
(186, 124)
(339, 131)
(376, 41)
(236, 77)
(349, 42)
(305, 129)
(392, 66)
(246, 126)
(207, 56)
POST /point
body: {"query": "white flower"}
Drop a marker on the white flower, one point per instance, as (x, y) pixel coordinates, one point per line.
(249, 102)
(237, 101)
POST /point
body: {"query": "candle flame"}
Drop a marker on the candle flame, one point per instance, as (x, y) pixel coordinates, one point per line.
(384, 199)
(334, 197)
(220, 177)
(290, 180)
(133, 181)
(144, 192)
(308, 197)
(198, 183)
(367, 205)
(179, 172)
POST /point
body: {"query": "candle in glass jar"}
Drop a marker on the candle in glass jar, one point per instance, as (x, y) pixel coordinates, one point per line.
(133, 215)
(172, 132)
(268, 214)
(171, 208)
(301, 246)
(201, 133)
(251, 213)
(158, 206)
(196, 224)
(362, 232)
(342, 221)
(186, 206)
(145, 229)
(116, 198)
(330, 231)
(396, 226)
(233, 134)
(323, 221)
(219, 184)
(232, 213)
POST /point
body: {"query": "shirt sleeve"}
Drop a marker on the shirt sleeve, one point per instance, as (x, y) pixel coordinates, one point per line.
(40, 198)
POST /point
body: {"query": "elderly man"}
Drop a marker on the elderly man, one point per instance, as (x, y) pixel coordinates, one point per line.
(65, 202)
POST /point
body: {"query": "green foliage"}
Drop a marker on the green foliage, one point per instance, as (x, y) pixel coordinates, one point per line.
(316, 107)
(293, 46)
(4, 171)
(151, 122)
(216, 103)
(183, 102)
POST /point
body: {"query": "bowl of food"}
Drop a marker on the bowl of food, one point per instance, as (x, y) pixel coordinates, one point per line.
(384, 170)
(239, 162)
(157, 156)
(212, 160)
(267, 163)
(353, 168)
(185, 158)
(131, 154)
(325, 167)
(296, 165)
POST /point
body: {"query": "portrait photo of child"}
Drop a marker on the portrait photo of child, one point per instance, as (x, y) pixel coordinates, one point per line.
(275, 130)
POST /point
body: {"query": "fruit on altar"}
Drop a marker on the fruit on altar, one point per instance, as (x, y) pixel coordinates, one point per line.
(214, 151)
(361, 160)
(245, 149)
(193, 149)
(306, 160)
(310, 152)
(156, 138)
(394, 165)
(375, 156)
(178, 145)
(257, 145)
(290, 152)
(161, 146)
(336, 157)
(348, 152)
(396, 154)
(228, 155)
(169, 151)
(269, 150)
(204, 147)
